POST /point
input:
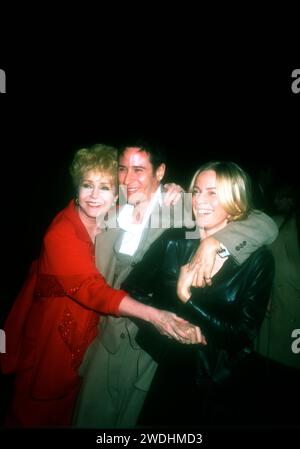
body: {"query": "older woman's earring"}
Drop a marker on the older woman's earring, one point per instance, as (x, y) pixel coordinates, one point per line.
(76, 201)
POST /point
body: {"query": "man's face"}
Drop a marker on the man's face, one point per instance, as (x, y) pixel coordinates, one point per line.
(136, 175)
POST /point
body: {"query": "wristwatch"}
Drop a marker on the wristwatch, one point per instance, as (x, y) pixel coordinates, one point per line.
(223, 252)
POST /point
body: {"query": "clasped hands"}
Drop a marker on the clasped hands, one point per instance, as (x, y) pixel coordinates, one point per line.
(172, 326)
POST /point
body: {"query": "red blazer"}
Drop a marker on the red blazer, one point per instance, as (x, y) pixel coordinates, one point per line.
(55, 316)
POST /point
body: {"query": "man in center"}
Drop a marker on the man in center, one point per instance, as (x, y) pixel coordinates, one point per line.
(116, 372)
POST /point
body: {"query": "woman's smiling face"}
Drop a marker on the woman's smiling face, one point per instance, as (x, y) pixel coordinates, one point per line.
(209, 214)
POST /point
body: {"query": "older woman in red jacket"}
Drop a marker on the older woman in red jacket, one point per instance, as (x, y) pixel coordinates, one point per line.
(55, 316)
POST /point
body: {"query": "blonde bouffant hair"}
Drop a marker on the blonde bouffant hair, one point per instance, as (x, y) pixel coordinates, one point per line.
(233, 188)
(98, 157)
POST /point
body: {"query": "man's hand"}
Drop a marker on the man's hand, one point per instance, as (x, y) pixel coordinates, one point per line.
(172, 193)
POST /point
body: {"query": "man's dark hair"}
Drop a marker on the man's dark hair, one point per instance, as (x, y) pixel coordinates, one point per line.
(155, 151)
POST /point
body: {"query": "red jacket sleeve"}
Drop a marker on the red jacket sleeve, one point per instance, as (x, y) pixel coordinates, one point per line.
(69, 261)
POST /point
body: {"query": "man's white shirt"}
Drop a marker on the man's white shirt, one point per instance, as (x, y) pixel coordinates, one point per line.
(133, 231)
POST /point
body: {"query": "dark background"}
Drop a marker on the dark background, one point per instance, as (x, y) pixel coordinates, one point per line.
(221, 92)
(240, 109)
(207, 85)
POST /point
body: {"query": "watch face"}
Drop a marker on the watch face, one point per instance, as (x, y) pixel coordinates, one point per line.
(223, 252)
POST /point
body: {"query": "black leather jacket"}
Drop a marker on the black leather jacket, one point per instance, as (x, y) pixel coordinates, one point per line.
(229, 312)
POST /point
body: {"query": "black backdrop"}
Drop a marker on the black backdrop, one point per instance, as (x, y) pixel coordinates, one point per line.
(209, 96)
(241, 111)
